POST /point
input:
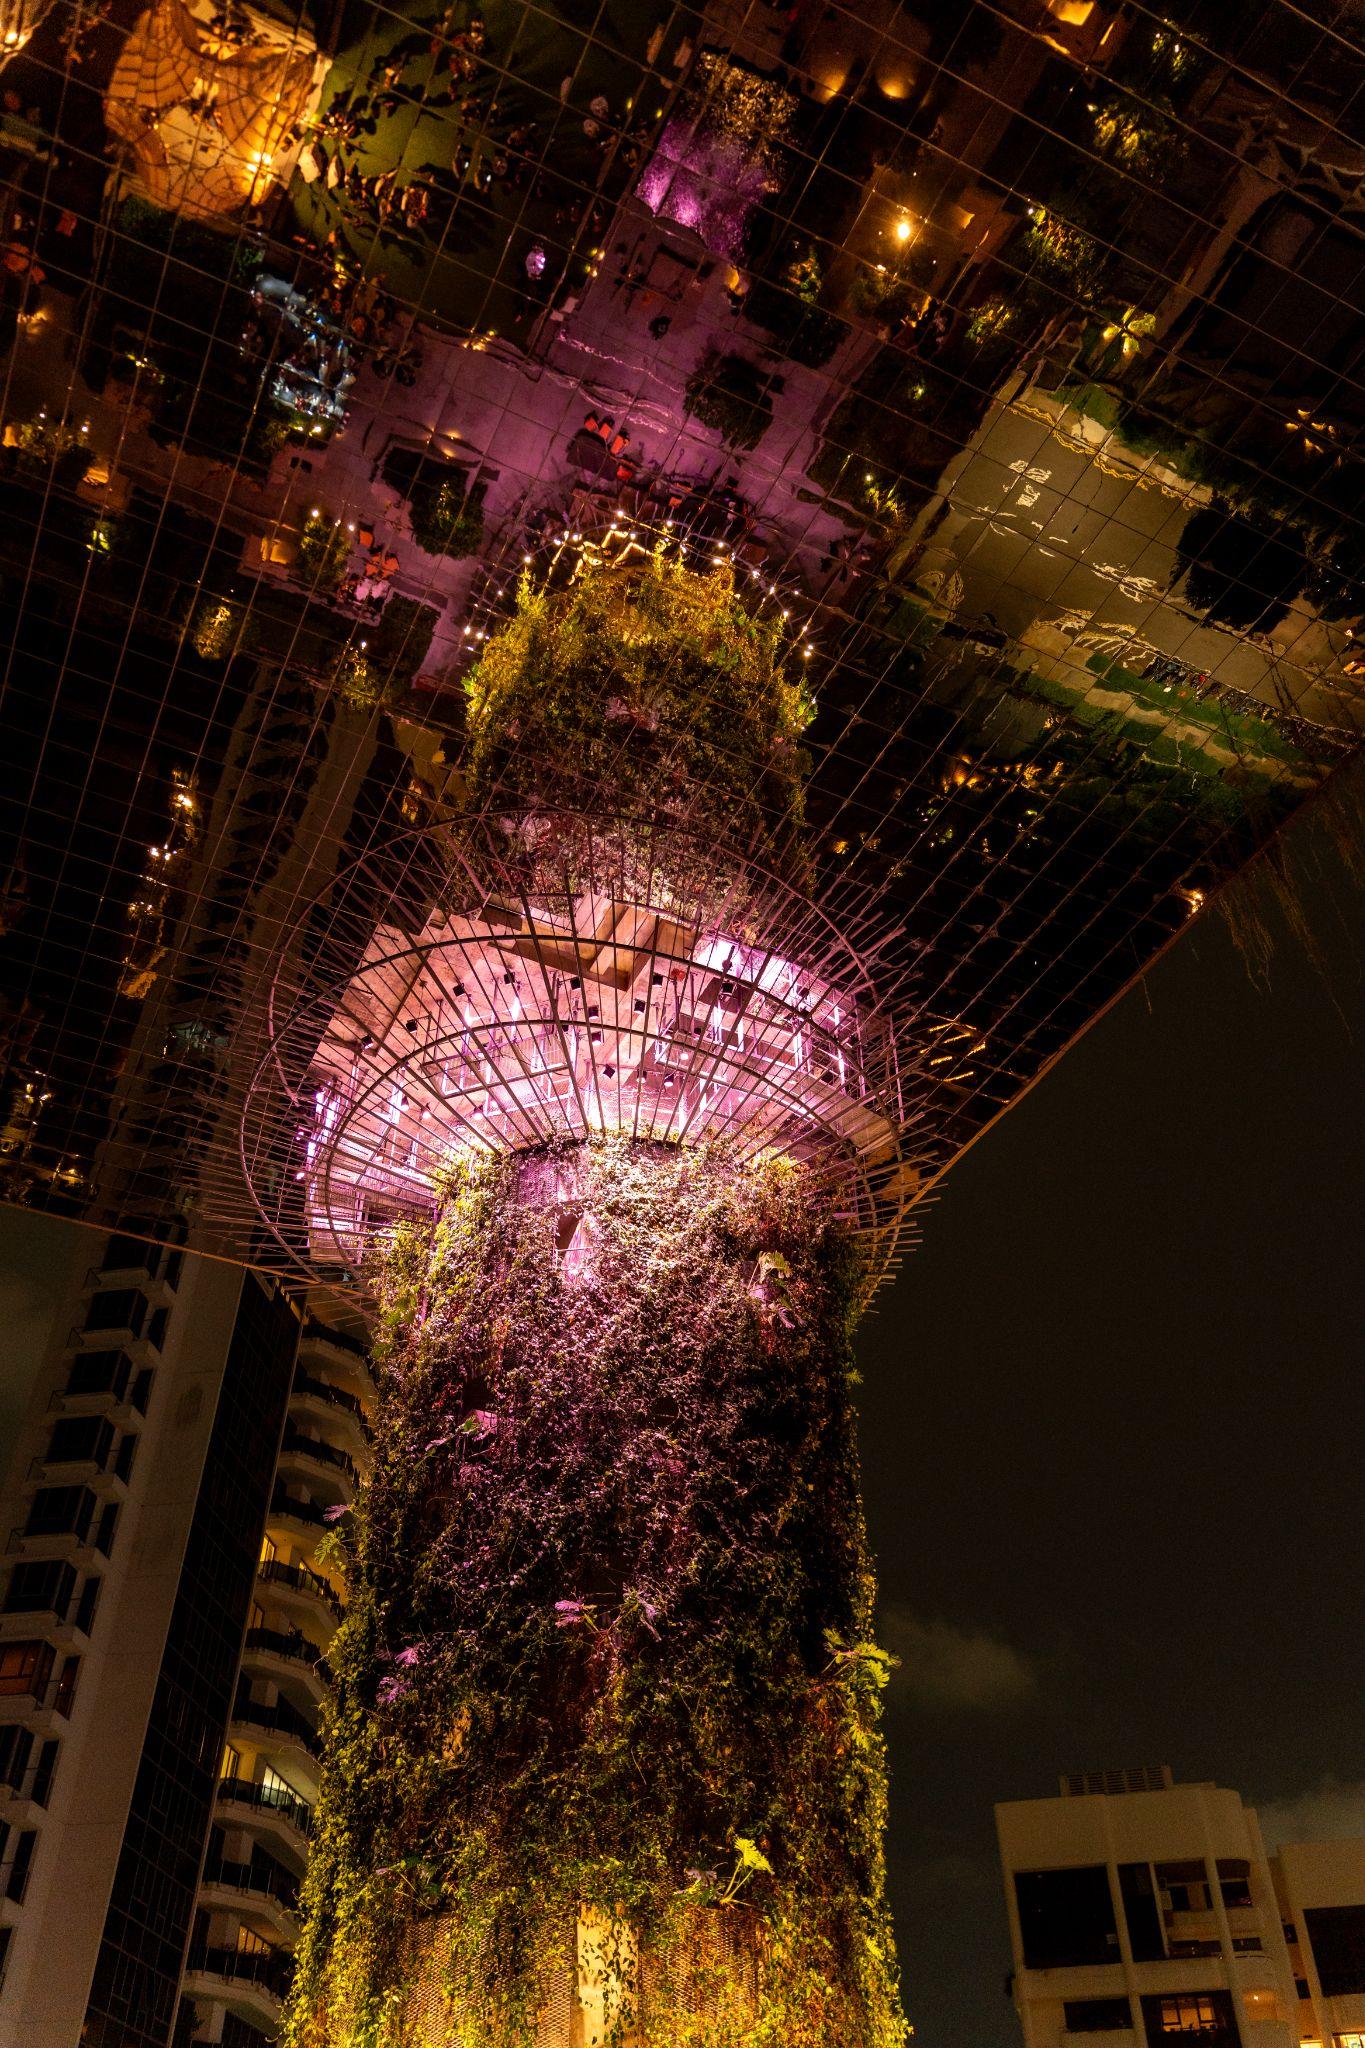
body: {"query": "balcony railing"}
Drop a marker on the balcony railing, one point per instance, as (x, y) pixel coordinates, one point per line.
(326, 1454)
(297, 1578)
(290, 1643)
(251, 1880)
(323, 1333)
(289, 1507)
(336, 1397)
(268, 1799)
(27, 1693)
(270, 1969)
(281, 1719)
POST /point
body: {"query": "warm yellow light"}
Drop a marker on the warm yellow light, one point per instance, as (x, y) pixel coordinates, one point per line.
(903, 229)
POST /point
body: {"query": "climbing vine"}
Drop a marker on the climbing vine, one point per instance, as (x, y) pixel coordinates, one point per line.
(642, 727)
(606, 1697)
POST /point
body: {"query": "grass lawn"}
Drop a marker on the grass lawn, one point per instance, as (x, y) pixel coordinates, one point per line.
(1236, 729)
(465, 265)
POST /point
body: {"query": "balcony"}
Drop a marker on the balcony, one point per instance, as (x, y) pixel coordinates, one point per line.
(288, 1659)
(39, 1701)
(322, 1345)
(113, 1383)
(103, 1479)
(331, 1408)
(27, 1784)
(267, 1896)
(22, 1625)
(117, 1317)
(273, 1811)
(298, 1514)
(290, 1585)
(250, 1983)
(319, 1461)
(132, 1273)
(275, 1727)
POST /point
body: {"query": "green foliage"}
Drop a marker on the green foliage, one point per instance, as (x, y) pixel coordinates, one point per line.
(1244, 571)
(401, 639)
(731, 395)
(1063, 264)
(41, 445)
(654, 701)
(445, 520)
(607, 1659)
(376, 664)
(324, 545)
(789, 308)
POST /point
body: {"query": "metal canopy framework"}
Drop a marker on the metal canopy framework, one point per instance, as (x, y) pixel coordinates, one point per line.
(1007, 355)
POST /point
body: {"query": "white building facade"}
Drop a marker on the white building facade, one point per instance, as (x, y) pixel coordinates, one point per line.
(1150, 1913)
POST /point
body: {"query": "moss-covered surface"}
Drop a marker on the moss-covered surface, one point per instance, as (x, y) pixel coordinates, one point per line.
(642, 727)
(608, 1647)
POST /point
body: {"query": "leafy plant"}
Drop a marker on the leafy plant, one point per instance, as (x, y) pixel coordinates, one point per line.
(731, 395)
(445, 519)
(656, 706)
(606, 1697)
(324, 545)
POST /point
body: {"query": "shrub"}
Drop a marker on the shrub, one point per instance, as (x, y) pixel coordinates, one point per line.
(446, 519)
(1243, 572)
(323, 547)
(731, 395)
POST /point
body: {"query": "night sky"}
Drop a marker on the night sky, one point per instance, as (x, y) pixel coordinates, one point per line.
(1113, 1416)
(1112, 1436)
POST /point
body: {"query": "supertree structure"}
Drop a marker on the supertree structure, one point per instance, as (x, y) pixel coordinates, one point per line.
(610, 1122)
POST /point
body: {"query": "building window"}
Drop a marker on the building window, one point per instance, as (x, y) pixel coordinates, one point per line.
(1096, 2015)
(61, 1511)
(80, 1440)
(65, 1698)
(16, 1877)
(43, 1587)
(122, 1308)
(1336, 1935)
(100, 1372)
(1066, 1917)
(1234, 1880)
(1207, 2015)
(89, 1600)
(24, 1670)
(1184, 1886)
(124, 1254)
(1146, 1929)
(42, 1773)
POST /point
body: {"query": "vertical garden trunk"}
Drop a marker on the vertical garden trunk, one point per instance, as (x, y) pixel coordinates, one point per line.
(603, 1760)
(603, 1763)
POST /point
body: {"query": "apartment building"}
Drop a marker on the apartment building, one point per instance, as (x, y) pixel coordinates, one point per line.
(246, 1923)
(131, 1512)
(1142, 1909)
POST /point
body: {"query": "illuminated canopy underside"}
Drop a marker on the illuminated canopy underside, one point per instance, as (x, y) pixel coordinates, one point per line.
(512, 1025)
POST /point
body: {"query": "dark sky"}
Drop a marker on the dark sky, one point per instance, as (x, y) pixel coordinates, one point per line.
(1112, 1435)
